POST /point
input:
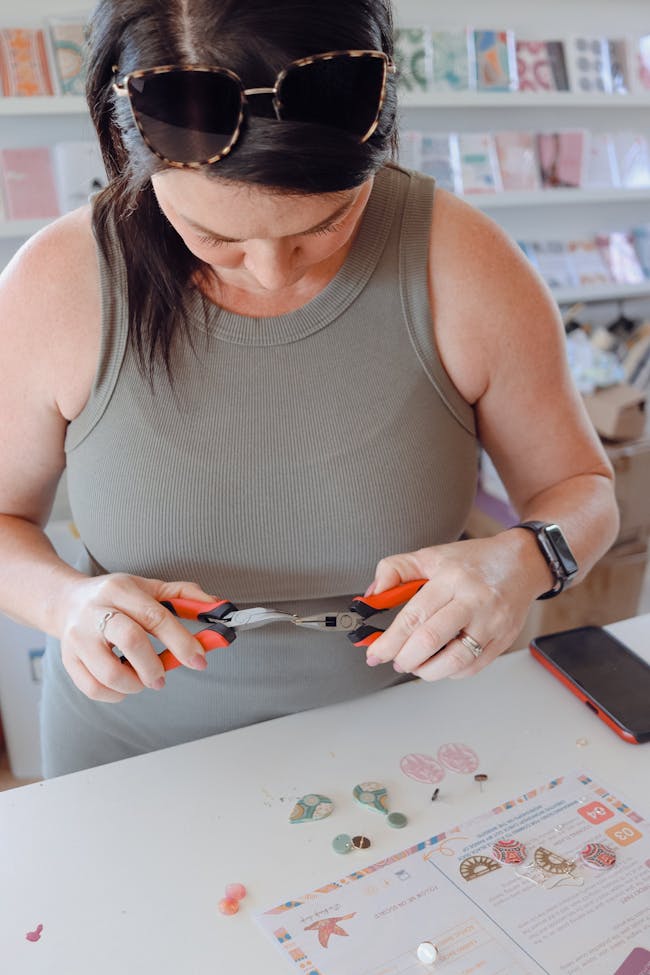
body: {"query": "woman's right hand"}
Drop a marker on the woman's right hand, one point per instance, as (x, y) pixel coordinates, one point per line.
(86, 648)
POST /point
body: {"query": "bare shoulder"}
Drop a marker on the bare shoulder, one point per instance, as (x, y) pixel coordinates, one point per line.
(50, 309)
(491, 310)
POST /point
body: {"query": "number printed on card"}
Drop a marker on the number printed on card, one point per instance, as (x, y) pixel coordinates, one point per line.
(595, 812)
(623, 834)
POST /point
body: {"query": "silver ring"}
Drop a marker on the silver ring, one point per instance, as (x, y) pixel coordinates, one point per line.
(101, 626)
(468, 641)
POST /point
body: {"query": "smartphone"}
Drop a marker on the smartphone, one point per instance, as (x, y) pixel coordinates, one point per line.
(606, 675)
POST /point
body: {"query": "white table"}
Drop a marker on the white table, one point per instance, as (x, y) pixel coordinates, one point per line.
(124, 865)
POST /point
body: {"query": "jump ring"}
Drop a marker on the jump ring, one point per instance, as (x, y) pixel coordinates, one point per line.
(472, 645)
(101, 626)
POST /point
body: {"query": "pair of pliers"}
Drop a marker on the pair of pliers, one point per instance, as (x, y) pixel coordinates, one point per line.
(215, 625)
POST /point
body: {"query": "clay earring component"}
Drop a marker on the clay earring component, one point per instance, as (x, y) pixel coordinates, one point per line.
(509, 851)
(311, 808)
(372, 795)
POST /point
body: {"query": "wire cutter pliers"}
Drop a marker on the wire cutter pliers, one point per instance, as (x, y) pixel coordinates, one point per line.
(215, 625)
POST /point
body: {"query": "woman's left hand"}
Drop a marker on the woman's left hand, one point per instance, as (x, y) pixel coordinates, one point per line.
(480, 589)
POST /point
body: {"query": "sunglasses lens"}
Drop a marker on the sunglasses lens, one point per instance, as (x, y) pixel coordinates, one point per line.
(342, 91)
(187, 116)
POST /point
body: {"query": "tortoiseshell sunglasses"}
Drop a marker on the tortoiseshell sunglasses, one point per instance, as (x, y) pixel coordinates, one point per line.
(192, 115)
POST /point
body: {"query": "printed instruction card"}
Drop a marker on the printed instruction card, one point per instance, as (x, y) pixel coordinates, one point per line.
(556, 881)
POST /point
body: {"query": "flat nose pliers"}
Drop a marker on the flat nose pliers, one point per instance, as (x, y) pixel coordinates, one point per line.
(215, 625)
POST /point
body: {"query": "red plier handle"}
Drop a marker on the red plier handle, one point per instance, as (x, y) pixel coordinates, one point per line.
(367, 606)
(216, 634)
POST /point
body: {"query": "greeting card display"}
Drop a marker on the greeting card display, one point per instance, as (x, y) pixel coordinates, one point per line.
(621, 258)
(601, 167)
(518, 163)
(441, 160)
(587, 263)
(68, 47)
(479, 164)
(496, 60)
(589, 64)
(24, 66)
(633, 158)
(414, 58)
(562, 157)
(541, 66)
(28, 184)
(454, 60)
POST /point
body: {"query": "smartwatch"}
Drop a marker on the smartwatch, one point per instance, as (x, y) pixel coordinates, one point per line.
(555, 549)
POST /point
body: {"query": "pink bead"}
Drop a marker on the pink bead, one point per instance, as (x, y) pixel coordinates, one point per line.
(236, 892)
(228, 906)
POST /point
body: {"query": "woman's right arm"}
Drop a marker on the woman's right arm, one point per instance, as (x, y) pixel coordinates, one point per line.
(50, 323)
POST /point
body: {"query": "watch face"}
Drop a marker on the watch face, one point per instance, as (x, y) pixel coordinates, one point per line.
(564, 554)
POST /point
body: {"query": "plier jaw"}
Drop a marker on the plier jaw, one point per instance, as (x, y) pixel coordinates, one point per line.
(353, 621)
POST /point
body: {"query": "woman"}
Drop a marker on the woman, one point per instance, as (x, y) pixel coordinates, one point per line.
(267, 358)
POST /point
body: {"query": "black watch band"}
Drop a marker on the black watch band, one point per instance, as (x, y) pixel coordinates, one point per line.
(555, 549)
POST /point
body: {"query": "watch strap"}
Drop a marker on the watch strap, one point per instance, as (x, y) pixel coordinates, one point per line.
(554, 564)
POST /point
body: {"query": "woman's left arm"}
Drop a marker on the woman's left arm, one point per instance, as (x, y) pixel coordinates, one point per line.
(500, 337)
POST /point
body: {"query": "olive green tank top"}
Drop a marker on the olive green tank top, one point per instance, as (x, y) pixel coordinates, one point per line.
(291, 454)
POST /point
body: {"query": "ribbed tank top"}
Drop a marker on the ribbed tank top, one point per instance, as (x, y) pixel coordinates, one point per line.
(290, 455)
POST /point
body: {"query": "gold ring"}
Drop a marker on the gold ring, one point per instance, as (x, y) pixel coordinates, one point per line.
(468, 641)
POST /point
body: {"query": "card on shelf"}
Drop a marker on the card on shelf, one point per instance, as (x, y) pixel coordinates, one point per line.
(496, 60)
(28, 184)
(588, 265)
(410, 149)
(541, 66)
(518, 162)
(414, 59)
(24, 65)
(641, 237)
(553, 263)
(67, 40)
(562, 158)
(479, 164)
(78, 172)
(619, 66)
(621, 258)
(454, 60)
(589, 66)
(633, 157)
(641, 64)
(601, 167)
(441, 160)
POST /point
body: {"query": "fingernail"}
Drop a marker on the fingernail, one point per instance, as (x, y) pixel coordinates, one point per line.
(396, 666)
(372, 661)
(198, 662)
(158, 684)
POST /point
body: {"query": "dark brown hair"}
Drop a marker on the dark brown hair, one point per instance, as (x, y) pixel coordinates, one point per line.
(256, 39)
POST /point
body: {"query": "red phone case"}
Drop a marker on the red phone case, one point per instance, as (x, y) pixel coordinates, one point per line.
(580, 694)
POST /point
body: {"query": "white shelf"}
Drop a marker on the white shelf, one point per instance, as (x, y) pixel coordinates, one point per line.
(521, 99)
(559, 197)
(20, 229)
(47, 105)
(602, 292)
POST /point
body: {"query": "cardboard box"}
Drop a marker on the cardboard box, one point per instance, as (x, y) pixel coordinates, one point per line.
(631, 463)
(611, 591)
(618, 412)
